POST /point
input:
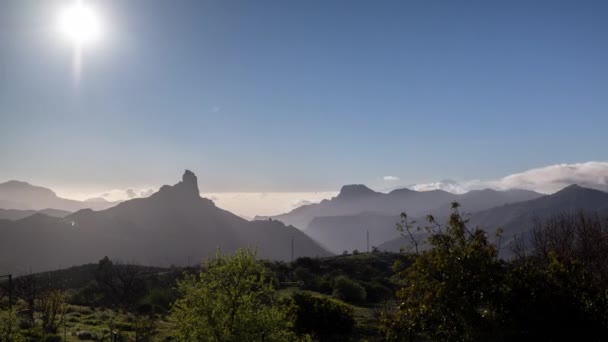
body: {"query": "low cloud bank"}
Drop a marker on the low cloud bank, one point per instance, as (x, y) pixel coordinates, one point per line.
(548, 179)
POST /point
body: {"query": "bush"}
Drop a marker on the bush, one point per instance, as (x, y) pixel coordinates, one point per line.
(52, 338)
(323, 319)
(309, 280)
(348, 290)
(145, 329)
(9, 330)
(376, 292)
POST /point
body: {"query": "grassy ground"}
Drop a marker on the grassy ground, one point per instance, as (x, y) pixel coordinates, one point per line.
(100, 322)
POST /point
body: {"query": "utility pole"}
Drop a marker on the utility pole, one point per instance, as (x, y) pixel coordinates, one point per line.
(367, 231)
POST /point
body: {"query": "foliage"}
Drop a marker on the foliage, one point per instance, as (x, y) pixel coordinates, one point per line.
(459, 290)
(560, 286)
(9, 327)
(450, 291)
(371, 270)
(321, 318)
(232, 299)
(145, 329)
(348, 290)
(52, 338)
(554, 301)
(51, 305)
(122, 285)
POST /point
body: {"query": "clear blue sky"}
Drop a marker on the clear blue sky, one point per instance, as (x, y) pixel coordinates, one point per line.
(303, 95)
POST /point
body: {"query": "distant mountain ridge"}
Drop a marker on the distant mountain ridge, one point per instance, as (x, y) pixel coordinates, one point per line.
(518, 218)
(25, 196)
(356, 199)
(15, 214)
(173, 226)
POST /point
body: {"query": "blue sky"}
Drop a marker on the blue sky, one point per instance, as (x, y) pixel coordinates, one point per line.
(302, 95)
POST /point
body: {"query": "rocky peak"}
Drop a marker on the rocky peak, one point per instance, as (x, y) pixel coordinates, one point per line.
(355, 190)
(189, 184)
(188, 187)
(190, 178)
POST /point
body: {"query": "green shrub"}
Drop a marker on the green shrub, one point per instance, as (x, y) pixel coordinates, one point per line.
(377, 292)
(348, 290)
(52, 338)
(124, 326)
(323, 319)
(9, 330)
(309, 280)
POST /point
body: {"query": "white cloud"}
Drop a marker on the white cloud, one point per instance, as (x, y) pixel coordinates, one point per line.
(548, 179)
(130, 193)
(390, 178)
(555, 177)
(449, 186)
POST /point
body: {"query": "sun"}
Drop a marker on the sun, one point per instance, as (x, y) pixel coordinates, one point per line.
(80, 24)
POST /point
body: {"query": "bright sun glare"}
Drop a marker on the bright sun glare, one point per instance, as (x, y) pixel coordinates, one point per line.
(80, 24)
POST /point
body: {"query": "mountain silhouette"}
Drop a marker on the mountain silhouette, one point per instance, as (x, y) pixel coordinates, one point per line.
(518, 218)
(15, 214)
(24, 196)
(357, 199)
(173, 226)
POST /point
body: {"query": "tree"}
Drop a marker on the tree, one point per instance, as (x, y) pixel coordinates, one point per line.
(323, 319)
(123, 285)
(452, 291)
(28, 289)
(51, 305)
(407, 230)
(558, 287)
(232, 299)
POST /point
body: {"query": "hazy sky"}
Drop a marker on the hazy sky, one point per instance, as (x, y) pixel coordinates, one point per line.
(302, 95)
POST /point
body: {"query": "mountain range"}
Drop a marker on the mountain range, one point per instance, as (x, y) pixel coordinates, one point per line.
(347, 229)
(357, 199)
(24, 196)
(177, 226)
(16, 214)
(173, 226)
(518, 218)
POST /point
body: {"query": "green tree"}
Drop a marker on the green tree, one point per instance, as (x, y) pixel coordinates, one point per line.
(451, 292)
(232, 299)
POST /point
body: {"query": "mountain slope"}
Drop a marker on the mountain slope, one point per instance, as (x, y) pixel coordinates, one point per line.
(24, 196)
(173, 226)
(378, 213)
(356, 199)
(519, 217)
(15, 214)
(349, 232)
